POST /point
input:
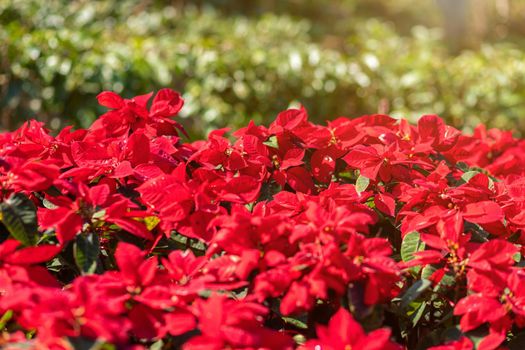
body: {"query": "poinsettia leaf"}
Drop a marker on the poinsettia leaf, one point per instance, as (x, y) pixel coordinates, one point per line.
(158, 345)
(462, 166)
(268, 190)
(477, 335)
(414, 292)
(272, 142)
(299, 339)
(198, 245)
(427, 271)
(469, 175)
(19, 217)
(416, 316)
(295, 322)
(361, 184)
(411, 244)
(99, 215)
(86, 252)
(177, 237)
(48, 204)
(421, 170)
(5, 318)
(447, 279)
(151, 222)
(479, 235)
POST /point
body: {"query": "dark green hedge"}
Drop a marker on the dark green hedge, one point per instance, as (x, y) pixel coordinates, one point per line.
(55, 58)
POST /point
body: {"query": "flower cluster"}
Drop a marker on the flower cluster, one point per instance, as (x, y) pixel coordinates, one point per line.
(366, 233)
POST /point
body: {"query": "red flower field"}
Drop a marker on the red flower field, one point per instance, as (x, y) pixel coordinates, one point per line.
(366, 233)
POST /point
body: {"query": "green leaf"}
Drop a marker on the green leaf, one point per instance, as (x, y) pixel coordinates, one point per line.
(295, 322)
(477, 335)
(462, 166)
(447, 280)
(197, 244)
(151, 222)
(469, 175)
(177, 237)
(48, 204)
(299, 339)
(205, 293)
(158, 345)
(427, 271)
(5, 318)
(411, 244)
(414, 291)
(416, 316)
(19, 217)
(349, 175)
(268, 190)
(479, 235)
(421, 170)
(86, 251)
(272, 142)
(99, 214)
(361, 184)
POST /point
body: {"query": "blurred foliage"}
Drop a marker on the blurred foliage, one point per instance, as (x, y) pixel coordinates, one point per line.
(241, 63)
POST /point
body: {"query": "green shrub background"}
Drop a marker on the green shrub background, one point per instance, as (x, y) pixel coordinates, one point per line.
(237, 60)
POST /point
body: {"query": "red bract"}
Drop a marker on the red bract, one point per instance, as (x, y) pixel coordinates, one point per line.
(129, 115)
(20, 272)
(433, 130)
(21, 175)
(92, 205)
(80, 311)
(225, 323)
(366, 233)
(343, 332)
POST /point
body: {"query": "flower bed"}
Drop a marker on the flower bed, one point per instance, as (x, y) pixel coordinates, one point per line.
(367, 233)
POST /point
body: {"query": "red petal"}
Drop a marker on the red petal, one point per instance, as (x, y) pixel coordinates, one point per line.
(33, 255)
(483, 212)
(385, 203)
(134, 227)
(110, 99)
(433, 241)
(299, 179)
(178, 323)
(166, 103)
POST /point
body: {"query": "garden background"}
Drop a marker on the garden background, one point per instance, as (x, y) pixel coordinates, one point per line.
(242, 60)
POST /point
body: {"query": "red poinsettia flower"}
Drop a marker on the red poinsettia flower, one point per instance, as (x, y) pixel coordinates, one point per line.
(343, 333)
(226, 323)
(96, 203)
(132, 114)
